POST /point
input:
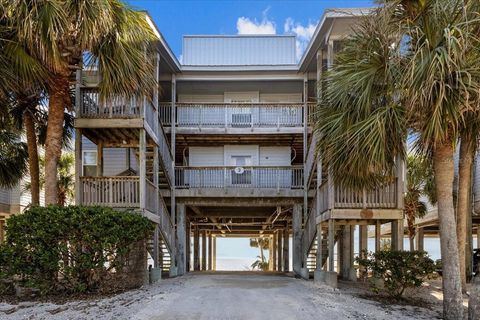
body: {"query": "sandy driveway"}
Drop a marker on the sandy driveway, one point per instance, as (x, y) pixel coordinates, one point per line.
(228, 296)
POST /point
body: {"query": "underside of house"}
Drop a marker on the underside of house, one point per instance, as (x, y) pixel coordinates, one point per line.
(226, 148)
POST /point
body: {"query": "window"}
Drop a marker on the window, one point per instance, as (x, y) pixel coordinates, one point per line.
(89, 162)
(241, 161)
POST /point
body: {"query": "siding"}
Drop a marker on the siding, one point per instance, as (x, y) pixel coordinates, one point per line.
(275, 156)
(238, 50)
(114, 159)
(205, 156)
(241, 150)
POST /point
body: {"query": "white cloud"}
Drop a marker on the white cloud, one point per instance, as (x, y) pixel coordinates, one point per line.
(303, 33)
(247, 26)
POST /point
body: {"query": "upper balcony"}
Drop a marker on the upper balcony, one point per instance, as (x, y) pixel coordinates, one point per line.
(250, 181)
(235, 118)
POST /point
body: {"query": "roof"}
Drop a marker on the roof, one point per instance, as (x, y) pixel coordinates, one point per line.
(238, 50)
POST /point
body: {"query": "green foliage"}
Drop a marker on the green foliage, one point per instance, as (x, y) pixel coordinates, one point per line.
(72, 249)
(260, 264)
(13, 158)
(398, 270)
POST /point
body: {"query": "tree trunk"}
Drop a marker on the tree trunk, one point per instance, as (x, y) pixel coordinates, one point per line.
(59, 97)
(452, 289)
(32, 157)
(412, 243)
(474, 301)
(463, 202)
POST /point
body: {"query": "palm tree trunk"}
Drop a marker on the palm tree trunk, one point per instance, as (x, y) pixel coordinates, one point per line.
(465, 168)
(32, 157)
(412, 243)
(452, 289)
(58, 99)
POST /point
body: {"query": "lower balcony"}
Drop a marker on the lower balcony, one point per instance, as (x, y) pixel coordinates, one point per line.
(239, 181)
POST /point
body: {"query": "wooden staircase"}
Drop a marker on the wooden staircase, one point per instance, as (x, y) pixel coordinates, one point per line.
(165, 259)
(312, 253)
(163, 182)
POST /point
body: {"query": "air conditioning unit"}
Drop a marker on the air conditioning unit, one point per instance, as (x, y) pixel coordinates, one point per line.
(241, 120)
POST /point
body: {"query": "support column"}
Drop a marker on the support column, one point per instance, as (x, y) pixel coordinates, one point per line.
(188, 245)
(143, 168)
(297, 238)
(196, 249)
(156, 247)
(214, 253)
(172, 147)
(378, 235)
(331, 245)
(204, 250)
(286, 244)
(279, 250)
(419, 239)
(347, 270)
(363, 248)
(181, 239)
(397, 234)
(340, 250)
(210, 256)
(273, 252)
(319, 258)
(78, 165)
(100, 159)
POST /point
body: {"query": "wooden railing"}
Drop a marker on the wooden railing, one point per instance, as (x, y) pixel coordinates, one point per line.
(166, 224)
(165, 113)
(123, 192)
(382, 197)
(232, 115)
(310, 228)
(150, 197)
(165, 153)
(245, 177)
(312, 113)
(91, 106)
(311, 156)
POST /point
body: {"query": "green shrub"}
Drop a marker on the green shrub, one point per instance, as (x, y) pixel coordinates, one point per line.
(71, 249)
(398, 270)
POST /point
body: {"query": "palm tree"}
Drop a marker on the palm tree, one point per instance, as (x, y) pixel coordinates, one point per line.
(13, 158)
(419, 183)
(262, 243)
(404, 67)
(60, 34)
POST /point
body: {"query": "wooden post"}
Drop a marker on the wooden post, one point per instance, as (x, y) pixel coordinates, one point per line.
(286, 249)
(214, 253)
(181, 259)
(331, 190)
(378, 235)
(305, 146)
(100, 159)
(397, 234)
(363, 247)
(78, 166)
(273, 252)
(156, 245)
(279, 250)
(172, 147)
(340, 241)
(196, 249)
(204, 250)
(319, 258)
(419, 239)
(188, 250)
(331, 245)
(210, 255)
(297, 238)
(143, 168)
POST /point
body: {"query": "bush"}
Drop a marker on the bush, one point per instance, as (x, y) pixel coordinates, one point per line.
(72, 249)
(398, 270)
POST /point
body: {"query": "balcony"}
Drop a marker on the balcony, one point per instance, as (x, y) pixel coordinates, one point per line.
(231, 117)
(239, 180)
(123, 192)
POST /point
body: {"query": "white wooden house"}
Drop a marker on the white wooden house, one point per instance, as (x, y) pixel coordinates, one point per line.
(227, 148)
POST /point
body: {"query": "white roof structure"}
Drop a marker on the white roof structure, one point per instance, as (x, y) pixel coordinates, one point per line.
(239, 50)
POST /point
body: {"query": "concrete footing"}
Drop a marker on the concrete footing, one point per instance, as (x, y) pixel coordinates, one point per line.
(173, 272)
(326, 277)
(304, 273)
(352, 275)
(155, 274)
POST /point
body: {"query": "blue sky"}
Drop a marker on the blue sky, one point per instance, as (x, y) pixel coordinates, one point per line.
(177, 18)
